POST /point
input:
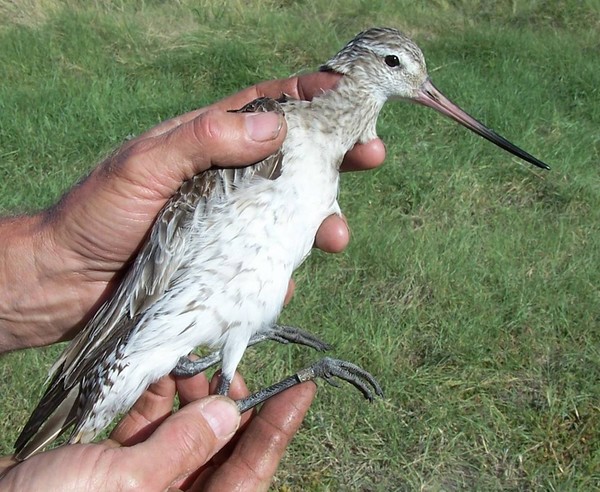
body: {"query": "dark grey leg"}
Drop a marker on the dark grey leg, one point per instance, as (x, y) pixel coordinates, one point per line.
(188, 368)
(290, 334)
(223, 386)
(326, 369)
(279, 333)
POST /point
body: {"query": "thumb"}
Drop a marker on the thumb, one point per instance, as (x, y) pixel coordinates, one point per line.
(213, 138)
(186, 441)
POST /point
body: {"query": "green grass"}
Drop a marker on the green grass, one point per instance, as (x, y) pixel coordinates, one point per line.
(470, 287)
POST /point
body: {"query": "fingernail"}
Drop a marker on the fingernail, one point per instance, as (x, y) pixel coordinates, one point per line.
(222, 416)
(263, 126)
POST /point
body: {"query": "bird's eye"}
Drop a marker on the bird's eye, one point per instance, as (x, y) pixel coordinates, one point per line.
(392, 60)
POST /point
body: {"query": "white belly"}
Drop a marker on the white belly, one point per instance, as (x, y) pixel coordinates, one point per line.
(241, 259)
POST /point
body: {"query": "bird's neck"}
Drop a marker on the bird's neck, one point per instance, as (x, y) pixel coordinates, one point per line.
(350, 110)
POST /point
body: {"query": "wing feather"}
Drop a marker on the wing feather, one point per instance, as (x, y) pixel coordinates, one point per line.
(146, 280)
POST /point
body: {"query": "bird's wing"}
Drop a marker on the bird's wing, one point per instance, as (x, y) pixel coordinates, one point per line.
(160, 257)
(145, 281)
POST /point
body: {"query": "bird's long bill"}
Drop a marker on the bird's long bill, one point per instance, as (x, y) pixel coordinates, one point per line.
(429, 96)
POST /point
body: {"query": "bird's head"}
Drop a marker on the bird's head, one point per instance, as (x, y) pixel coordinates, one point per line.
(385, 61)
(389, 65)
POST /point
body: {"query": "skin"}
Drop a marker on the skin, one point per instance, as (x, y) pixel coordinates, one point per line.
(153, 449)
(59, 265)
(67, 259)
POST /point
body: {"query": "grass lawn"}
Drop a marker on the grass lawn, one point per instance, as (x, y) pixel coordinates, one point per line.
(471, 285)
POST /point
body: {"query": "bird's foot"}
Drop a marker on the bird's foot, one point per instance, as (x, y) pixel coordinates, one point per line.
(278, 333)
(290, 334)
(187, 368)
(327, 369)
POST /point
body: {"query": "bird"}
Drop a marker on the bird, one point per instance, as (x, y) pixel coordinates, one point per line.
(185, 289)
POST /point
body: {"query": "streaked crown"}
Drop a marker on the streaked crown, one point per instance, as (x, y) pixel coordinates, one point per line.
(384, 60)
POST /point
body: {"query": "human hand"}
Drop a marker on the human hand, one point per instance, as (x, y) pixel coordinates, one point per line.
(81, 245)
(153, 449)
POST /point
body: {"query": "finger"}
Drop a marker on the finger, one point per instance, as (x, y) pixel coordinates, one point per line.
(364, 156)
(237, 390)
(290, 292)
(214, 138)
(302, 87)
(186, 131)
(312, 85)
(220, 138)
(6, 463)
(260, 448)
(192, 388)
(333, 234)
(153, 407)
(184, 442)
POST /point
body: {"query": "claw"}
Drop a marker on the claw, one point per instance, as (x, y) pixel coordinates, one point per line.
(331, 381)
(290, 334)
(327, 369)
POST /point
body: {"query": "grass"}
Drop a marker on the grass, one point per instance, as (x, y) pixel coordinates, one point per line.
(470, 287)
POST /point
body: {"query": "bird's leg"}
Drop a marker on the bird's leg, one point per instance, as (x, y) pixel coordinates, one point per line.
(290, 334)
(279, 333)
(187, 368)
(327, 369)
(224, 385)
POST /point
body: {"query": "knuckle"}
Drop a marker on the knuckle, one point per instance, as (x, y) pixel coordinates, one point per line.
(122, 159)
(194, 439)
(207, 127)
